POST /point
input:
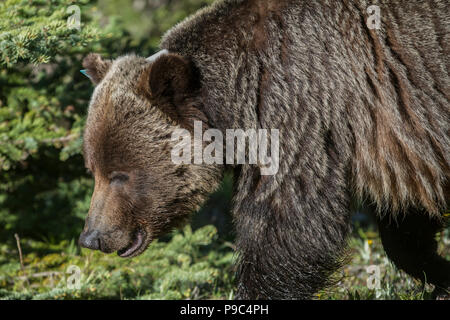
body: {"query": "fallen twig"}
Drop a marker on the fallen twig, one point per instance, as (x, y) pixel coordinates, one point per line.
(40, 274)
(22, 267)
(20, 251)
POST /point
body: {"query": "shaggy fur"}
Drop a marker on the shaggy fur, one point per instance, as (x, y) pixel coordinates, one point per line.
(361, 113)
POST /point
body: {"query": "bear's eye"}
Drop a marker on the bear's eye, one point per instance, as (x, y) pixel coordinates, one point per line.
(118, 177)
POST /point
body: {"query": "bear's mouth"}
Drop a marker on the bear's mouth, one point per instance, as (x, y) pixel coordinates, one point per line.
(136, 244)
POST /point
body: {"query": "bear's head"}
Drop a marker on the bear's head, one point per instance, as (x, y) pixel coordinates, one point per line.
(140, 193)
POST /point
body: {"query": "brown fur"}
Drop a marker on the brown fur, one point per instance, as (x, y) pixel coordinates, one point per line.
(361, 113)
(130, 140)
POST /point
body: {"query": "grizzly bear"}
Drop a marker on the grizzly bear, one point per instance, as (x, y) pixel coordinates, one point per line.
(362, 113)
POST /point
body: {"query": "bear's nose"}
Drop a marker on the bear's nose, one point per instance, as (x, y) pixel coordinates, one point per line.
(90, 239)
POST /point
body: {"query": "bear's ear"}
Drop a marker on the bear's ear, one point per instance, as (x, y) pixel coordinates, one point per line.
(171, 76)
(173, 81)
(96, 67)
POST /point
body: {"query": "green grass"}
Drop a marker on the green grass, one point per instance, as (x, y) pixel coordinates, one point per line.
(191, 265)
(188, 265)
(366, 250)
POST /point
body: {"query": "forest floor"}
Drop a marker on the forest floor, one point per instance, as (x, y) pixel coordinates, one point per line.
(187, 265)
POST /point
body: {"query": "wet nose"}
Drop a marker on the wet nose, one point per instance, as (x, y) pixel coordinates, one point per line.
(90, 240)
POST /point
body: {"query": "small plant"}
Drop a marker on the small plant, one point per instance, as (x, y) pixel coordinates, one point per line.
(192, 265)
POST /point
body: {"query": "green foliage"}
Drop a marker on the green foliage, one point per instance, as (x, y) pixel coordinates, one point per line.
(42, 110)
(36, 104)
(150, 19)
(192, 265)
(35, 31)
(366, 250)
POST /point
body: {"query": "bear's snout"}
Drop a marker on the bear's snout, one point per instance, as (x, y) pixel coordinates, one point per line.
(106, 242)
(90, 239)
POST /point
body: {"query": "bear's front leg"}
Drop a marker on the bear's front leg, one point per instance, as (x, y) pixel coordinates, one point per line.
(289, 243)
